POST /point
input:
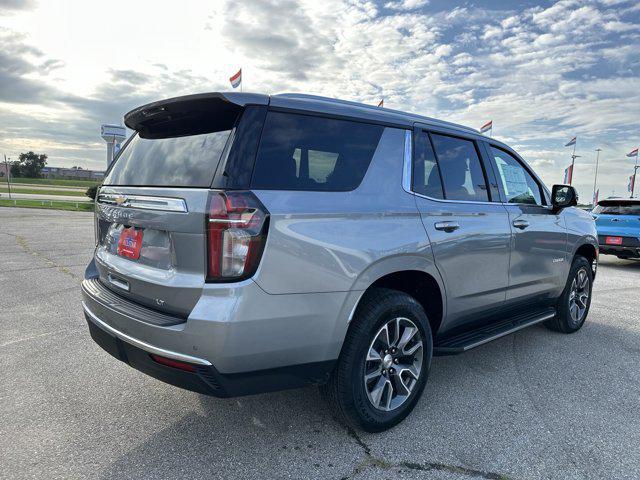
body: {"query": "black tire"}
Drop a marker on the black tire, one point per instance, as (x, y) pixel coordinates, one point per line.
(346, 391)
(564, 321)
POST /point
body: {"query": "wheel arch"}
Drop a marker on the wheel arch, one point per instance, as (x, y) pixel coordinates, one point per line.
(398, 272)
(588, 249)
(420, 285)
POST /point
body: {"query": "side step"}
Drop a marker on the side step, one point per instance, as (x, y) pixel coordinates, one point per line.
(474, 338)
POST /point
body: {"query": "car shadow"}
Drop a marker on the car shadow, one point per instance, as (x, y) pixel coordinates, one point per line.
(615, 263)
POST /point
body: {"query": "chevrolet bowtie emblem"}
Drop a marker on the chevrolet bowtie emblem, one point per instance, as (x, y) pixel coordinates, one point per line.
(120, 199)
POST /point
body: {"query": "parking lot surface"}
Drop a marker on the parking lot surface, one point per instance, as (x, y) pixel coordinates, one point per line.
(535, 404)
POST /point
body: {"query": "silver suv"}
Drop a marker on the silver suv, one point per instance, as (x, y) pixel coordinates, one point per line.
(248, 243)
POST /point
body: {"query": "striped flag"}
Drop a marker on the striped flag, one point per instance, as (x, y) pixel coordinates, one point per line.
(571, 142)
(568, 175)
(633, 153)
(236, 80)
(487, 126)
(632, 181)
(381, 104)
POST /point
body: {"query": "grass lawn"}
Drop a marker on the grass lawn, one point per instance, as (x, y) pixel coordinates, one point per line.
(54, 181)
(48, 204)
(20, 189)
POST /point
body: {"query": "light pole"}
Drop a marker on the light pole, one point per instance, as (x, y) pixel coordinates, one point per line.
(635, 171)
(595, 181)
(6, 166)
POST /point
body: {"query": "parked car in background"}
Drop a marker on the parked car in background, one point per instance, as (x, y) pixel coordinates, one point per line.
(618, 224)
(248, 243)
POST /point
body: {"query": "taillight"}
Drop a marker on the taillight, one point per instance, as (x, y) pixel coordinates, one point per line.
(236, 233)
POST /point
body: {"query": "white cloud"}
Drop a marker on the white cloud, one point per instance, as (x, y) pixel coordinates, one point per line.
(542, 74)
(406, 4)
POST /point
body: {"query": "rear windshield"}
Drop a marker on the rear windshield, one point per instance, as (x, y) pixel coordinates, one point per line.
(302, 152)
(617, 208)
(188, 161)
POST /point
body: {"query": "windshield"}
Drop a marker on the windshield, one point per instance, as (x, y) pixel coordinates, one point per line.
(188, 161)
(617, 208)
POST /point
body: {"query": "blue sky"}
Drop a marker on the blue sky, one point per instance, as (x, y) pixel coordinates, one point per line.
(542, 71)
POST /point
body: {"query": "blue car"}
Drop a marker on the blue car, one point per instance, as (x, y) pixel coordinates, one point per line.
(618, 224)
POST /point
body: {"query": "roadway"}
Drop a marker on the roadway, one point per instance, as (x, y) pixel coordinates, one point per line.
(535, 404)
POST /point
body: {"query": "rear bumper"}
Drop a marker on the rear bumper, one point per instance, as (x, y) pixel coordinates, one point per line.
(206, 379)
(240, 339)
(630, 246)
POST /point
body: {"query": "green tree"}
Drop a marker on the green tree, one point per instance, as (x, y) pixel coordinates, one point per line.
(31, 164)
(15, 169)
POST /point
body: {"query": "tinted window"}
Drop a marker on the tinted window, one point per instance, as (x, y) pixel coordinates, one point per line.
(460, 168)
(301, 152)
(609, 207)
(187, 161)
(425, 178)
(518, 184)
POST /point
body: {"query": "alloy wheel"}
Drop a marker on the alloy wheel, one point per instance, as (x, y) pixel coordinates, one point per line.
(579, 296)
(393, 364)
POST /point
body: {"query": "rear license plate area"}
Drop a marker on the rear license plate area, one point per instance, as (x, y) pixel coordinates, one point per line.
(613, 240)
(143, 245)
(130, 243)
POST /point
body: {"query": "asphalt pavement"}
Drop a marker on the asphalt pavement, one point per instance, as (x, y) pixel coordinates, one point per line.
(535, 404)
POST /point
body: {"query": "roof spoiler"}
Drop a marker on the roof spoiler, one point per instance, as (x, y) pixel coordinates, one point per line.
(191, 114)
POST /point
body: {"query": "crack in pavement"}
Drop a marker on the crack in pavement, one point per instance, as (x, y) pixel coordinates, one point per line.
(22, 243)
(370, 461)
(40, 335)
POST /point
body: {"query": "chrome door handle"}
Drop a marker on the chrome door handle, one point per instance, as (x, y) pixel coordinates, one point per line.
(447, 226)
(521, 224)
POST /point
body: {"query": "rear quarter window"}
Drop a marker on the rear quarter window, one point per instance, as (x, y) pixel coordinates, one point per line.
(303, 152)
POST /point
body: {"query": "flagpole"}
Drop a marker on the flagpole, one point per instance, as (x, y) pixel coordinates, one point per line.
(595, 180)
(573, 161)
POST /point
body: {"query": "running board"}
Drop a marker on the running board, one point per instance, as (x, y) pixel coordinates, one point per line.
(468, 340)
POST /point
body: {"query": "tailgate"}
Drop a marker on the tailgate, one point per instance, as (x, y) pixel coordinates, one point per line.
(618, 225)
(151, 212)
(168, 268)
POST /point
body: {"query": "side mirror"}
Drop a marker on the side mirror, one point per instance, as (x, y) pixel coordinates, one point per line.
(563, 196)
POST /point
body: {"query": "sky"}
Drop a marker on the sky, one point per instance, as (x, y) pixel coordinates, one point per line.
(544, 72)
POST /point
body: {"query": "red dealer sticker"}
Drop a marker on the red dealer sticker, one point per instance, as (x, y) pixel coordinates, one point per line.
(613, 240)
(130, 243)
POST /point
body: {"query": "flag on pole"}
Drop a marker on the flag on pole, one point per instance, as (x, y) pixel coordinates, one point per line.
(632, 181)
(486, 127)
(381, 104)
(595, 197)
(633, 153)
(236, 79)
(571, 142)
(568, 174)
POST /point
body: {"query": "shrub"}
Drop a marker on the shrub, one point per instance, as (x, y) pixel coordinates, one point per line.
(92, 191)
